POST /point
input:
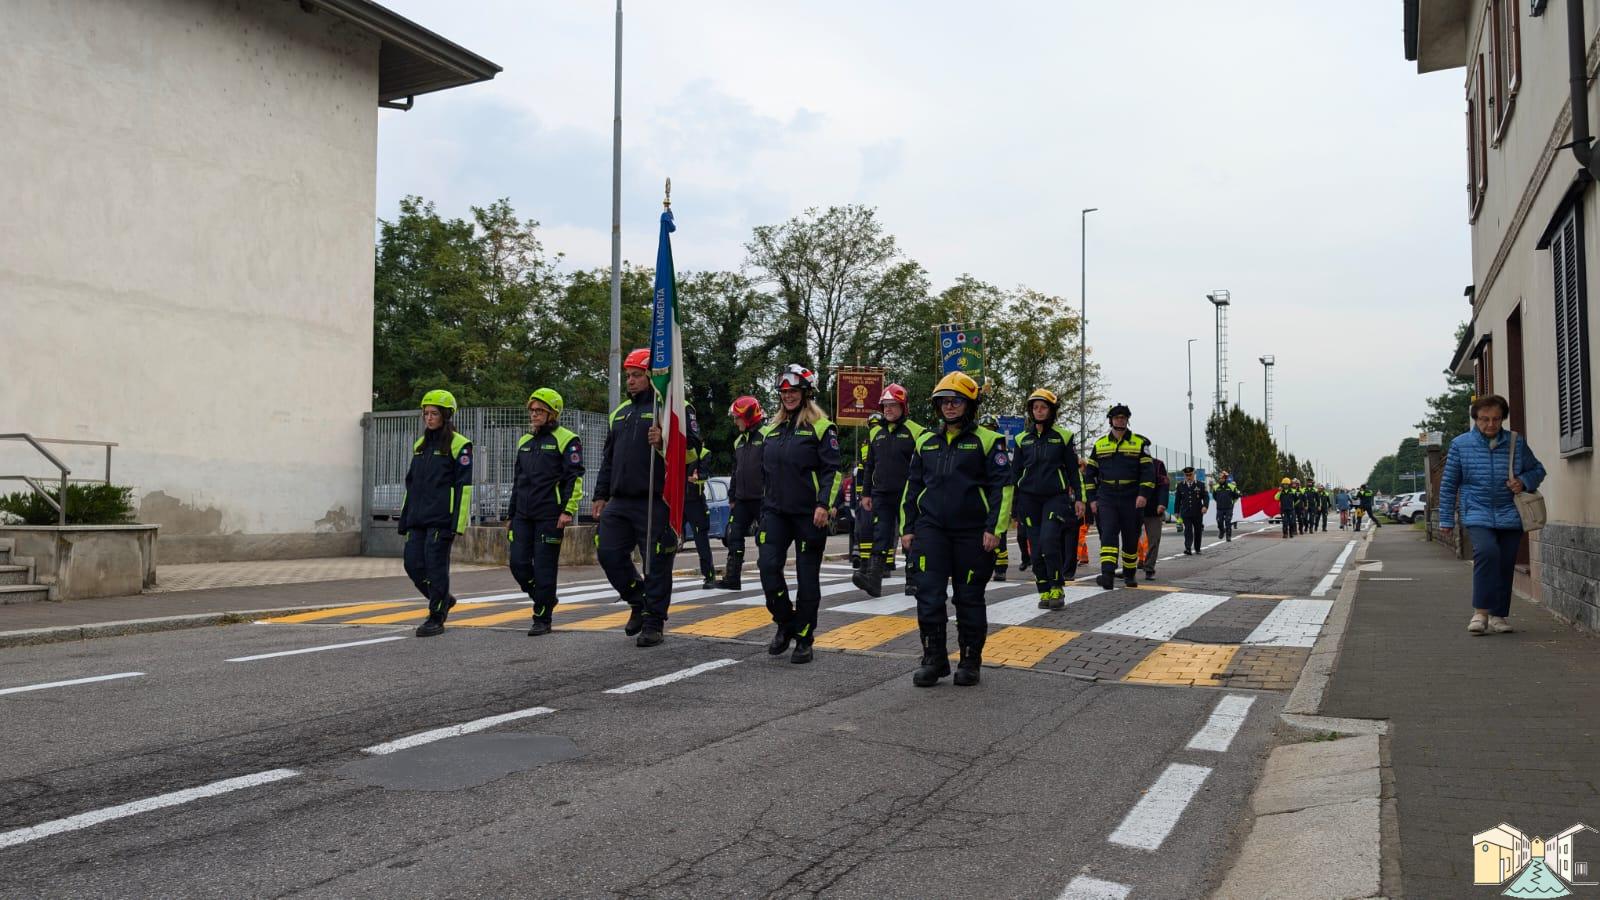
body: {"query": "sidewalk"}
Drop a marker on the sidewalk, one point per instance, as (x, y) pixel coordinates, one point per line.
(1482, 730)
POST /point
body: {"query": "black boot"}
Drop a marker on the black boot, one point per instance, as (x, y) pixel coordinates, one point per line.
(635, 620)
(967, 669)
(650, 637)
(434, 625)
(710, 580)
(802, 651)
(1107, 577)
(779, 642)
(538, 627)
(1129, 578)
(730, 572)
(870, 578)
(935, 662)
(999, 574)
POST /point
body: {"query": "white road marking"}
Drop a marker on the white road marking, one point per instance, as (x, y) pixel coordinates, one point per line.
(880, 606)
(611, 592)
(439, 734)
(1157, 812)
(381, 640)
(1326, 583)
(85, 820)
(703, 593)
(1163, 616)
(55, 684)
(670, 678)
(1085, 888)
(1391, 579)
(1218, 732)
(831, 590)
(1292, 623)
(1021, 610)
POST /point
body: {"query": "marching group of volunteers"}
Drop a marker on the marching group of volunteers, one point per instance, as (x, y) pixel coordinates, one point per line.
(944, 496)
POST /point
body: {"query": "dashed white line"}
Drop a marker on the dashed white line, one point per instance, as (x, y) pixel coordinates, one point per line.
(1218, 732)
(1085, 888)
(1153, 817)
(1326, 583)
(85, 820)
(381, 640)
(671, 677)
(55, 684)
(439, 734)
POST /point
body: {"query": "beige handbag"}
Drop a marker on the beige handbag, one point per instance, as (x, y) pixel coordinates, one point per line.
(1530, 504)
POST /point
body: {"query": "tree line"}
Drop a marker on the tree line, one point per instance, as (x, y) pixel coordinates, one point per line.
(479, 307)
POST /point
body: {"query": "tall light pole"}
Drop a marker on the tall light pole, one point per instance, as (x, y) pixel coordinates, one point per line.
(1190, 349)
(1221, 300)
(1083, 317)
(616, 225)
(1267, 362)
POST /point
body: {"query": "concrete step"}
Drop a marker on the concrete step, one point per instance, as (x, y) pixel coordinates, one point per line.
(23, 593)
(13, 574)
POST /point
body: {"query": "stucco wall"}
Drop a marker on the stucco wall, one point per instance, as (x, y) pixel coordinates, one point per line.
(186, 259)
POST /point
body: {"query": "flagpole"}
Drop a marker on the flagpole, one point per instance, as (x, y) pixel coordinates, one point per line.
(655, 416)
(616, 226)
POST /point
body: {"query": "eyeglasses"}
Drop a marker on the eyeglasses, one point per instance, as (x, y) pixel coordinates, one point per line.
(950, 401)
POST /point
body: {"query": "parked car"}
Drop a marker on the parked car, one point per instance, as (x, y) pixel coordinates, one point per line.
(1398, 500)
(1413, 509)
(717, 487)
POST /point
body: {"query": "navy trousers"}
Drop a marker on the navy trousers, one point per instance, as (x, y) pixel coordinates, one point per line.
(1494, 562)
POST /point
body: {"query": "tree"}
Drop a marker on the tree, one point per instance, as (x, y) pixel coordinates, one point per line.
(825, 267)
(1449, 411)
(1388, 475)
(728, 351)
(1241, 445)
(574, 332)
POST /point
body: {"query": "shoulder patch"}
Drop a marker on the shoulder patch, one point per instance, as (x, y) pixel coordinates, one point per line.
(466, 457)
(1000, 457)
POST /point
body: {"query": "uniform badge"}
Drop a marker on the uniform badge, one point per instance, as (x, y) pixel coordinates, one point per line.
(1000, 458)
(575, 456)
(833, 442)
(466, 459)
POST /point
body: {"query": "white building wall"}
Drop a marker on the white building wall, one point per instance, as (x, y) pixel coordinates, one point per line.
(186, 260)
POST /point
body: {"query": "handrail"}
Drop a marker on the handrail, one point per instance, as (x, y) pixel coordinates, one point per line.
(60, 505)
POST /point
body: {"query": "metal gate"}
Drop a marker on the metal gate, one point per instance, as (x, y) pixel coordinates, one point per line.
(387, 440)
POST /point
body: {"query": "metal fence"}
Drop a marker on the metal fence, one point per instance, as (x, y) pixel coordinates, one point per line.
(389, 436)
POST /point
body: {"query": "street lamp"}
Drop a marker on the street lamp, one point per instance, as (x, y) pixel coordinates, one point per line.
(1221, 300)
(1083, 319)
(1267, 362)
(1190, 349)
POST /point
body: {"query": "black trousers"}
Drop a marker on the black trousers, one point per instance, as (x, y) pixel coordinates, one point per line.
(535, 554)
(1048, 524)
(941, 557)
(1289, 516)
(866, 531)
(1194, 531)
(744, 518)
(623, 530)
(427, 560)
(886, 510)
(778, 532)
(697, 527)
(1120, 522)
(1324, 526)
(1224, 521)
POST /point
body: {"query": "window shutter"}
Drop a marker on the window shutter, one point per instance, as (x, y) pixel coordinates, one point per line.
(1572, 339)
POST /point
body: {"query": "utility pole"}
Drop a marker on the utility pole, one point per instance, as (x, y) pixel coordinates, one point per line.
(1190, 349)
(1083, 318)
(616, 225)
(1221, 300)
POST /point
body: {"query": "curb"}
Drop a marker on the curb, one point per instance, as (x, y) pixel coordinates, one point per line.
(61, 633)
(1282, 844)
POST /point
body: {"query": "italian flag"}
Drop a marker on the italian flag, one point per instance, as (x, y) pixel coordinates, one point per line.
(666, 372)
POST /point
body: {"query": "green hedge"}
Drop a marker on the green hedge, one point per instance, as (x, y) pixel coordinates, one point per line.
(87, 504)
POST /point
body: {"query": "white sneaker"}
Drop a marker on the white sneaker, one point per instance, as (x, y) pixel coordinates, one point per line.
(1478, 624)
(1498, 625)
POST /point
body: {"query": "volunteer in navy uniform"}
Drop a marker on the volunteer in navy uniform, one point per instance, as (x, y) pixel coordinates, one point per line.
(437, 506)
(546, 486)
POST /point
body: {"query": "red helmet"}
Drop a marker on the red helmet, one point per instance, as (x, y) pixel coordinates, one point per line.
(747, 410)
(893, 393)
(638, 359)
(798, 376)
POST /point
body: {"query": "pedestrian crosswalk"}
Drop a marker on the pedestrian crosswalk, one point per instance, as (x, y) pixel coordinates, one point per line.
(1152, 634)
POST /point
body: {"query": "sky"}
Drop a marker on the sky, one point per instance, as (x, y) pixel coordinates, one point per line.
(1285, 152)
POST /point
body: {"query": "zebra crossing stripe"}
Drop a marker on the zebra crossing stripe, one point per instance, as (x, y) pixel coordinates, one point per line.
(1292, 623)
(1164, 616)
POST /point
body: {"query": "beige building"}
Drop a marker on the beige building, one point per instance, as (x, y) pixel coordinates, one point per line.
(1532, 209)
(186, 252)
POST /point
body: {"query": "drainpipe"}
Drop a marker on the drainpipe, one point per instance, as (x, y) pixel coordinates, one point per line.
(1578, 64)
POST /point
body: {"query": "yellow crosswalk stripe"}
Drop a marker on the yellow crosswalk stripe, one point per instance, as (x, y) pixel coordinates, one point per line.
(524, 614)
(1022, 646)
(412, 615)
(728, 625)
(319, 614)
(1147, 586)
(611, 620)
(866, 633)
(1177, 663)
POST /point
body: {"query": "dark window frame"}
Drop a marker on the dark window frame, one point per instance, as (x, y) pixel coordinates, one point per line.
(1477, 141)
(1504, 36)
(1564, 239)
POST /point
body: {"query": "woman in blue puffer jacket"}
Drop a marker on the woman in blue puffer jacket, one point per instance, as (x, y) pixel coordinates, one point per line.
(1476, 470)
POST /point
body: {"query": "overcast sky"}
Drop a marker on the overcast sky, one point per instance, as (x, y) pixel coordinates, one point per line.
(1284, 151)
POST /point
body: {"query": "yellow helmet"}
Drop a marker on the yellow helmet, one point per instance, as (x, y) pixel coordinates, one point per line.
(1044, 394)
(957, 384)
(440, 398)
(1285, 481)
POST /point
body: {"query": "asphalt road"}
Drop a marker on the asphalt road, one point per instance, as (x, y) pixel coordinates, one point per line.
(751, 777)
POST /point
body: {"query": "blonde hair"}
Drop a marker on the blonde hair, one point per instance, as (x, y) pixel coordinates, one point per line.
(808, 414)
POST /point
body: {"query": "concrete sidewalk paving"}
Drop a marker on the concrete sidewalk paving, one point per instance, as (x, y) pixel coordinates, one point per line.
(1466, 732)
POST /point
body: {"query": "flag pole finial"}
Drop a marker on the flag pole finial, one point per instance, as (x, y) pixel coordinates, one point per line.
(666, 202)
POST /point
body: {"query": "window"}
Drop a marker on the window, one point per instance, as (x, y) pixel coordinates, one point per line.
(1483, 370)
(1477, 140)
(1565, 243)
(1505, 52)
